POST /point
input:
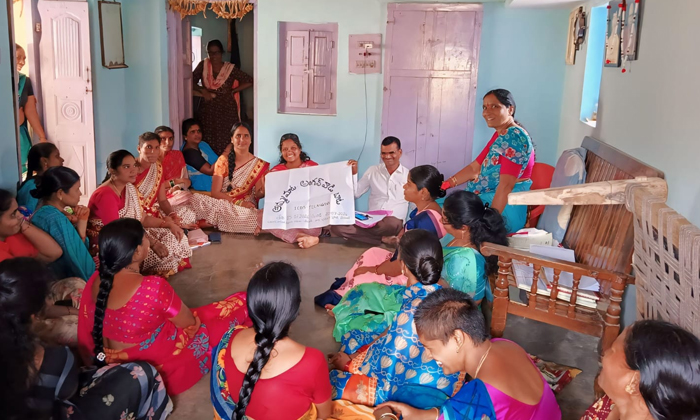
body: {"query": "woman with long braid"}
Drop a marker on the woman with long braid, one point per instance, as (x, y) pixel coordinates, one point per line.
(260, 373)
(125, 316)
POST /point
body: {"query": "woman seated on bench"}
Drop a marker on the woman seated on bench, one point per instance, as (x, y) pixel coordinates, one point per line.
(505, 165)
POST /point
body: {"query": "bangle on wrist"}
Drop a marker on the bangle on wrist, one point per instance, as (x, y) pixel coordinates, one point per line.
(391, 416)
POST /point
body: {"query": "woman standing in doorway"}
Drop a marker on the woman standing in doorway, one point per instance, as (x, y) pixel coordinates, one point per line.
(221, 84)
(27, 109)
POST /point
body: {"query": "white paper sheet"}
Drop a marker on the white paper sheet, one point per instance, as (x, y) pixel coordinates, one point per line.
(311, 197)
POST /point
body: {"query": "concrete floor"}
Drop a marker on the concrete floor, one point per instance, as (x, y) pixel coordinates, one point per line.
(220, 270)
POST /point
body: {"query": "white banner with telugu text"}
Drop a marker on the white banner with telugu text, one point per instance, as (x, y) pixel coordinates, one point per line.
(311, 197)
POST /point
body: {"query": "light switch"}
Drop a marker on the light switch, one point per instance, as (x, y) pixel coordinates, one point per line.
(365, 54)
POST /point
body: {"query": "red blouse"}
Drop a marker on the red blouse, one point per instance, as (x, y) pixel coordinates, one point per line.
(15, 246)
(288, 395)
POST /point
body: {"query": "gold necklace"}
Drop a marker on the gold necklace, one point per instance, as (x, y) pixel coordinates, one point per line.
(483, 359)
(424, 207)
(133, 270)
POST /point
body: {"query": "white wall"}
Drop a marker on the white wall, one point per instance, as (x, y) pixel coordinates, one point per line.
(651, 111)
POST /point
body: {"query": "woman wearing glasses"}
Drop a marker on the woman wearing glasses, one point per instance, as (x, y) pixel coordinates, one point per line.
(221, 84)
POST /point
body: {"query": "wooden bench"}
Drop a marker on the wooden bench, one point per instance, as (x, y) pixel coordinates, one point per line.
(600, 232)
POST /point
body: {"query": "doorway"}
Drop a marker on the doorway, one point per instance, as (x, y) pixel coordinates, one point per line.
(430, 82)
(55, 37)
(238, 39)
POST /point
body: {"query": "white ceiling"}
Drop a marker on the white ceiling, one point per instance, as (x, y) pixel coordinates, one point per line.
(542, 3)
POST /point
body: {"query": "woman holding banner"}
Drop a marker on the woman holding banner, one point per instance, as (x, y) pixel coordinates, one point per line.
(292, 157)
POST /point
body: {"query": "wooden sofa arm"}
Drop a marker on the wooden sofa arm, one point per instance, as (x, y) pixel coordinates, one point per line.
(612, 285)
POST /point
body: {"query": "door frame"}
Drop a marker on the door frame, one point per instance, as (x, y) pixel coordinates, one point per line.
(474, 71)
(173, 58)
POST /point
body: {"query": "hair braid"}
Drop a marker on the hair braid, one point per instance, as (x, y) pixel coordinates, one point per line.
(106, 282)
(231, 167)
(265, 344)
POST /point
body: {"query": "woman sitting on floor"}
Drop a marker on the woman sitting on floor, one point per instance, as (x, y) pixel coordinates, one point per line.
(465, 269)
(19, 238)
(118, 198)
(59, 188)
(505, 165)
(373, 366)
(192, 209)
(471, 224)
(174, 167)
(199, 156)
(260, 372)
(125, 316)
(292, 157)
(42, 156)
(650, 372)
(506, 384)
(239, 179)
(44, 382)
(378, 265)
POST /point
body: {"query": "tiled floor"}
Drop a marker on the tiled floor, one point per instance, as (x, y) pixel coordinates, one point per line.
(220, 270)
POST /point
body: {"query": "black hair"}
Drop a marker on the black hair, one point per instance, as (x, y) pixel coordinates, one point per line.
(421, 251)
(117, 243)
(388, 141)
(148, 136)
(232, 153)
(668, 360)
(6, 199)
(189, 123)
(23, 287)
(274, 297)
(447, 310)
(38, 151)
(114, 161)
(464, 208)
(427, 176)
(215, 43)
(506, 99)
(55, 179)
(163, 129)
(293, 137)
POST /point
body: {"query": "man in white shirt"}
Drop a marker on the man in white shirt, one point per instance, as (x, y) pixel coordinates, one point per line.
(385, 183)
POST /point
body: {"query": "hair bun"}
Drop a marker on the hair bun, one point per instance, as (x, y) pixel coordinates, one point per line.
(38, 192)
(428, 270)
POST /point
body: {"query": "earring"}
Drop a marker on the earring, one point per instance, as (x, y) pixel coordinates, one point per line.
(629, 388)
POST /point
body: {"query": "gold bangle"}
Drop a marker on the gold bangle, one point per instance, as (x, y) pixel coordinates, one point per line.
(392, 416)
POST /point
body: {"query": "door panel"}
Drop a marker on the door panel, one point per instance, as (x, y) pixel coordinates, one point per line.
(67, 87)
(430, 83)
(320, 65)
(297, 83)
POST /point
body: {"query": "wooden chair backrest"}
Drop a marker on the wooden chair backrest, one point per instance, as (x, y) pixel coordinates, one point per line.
(603, 236)
(666, 263)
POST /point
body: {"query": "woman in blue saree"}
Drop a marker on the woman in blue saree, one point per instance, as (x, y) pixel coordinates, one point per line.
(59, 189)
(378, 265)
(505, 165)
(41, 157)
(27, 109)
(372, 366)
(506, 384)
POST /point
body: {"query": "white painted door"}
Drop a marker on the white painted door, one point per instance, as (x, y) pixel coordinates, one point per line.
(67, 87)
(430, 82)
(180, 71)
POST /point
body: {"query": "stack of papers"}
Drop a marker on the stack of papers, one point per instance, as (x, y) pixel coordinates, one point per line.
(588, 292)
(197, 238)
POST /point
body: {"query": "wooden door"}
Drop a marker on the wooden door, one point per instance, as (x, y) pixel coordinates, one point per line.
(67, 86)
(430, 78)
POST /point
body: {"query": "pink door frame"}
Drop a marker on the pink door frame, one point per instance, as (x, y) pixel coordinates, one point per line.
(394, 7)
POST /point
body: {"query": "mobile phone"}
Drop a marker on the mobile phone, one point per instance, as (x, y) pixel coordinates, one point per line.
(361, 216)
(215, 237)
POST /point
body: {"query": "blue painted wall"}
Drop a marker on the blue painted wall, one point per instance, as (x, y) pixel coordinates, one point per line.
(594, 61)
(522, 50)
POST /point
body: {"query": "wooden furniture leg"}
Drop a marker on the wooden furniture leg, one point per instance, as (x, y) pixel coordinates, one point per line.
(501, 298)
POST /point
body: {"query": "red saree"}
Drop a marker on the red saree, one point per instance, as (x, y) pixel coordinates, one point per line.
(145, 321)
(174, 165)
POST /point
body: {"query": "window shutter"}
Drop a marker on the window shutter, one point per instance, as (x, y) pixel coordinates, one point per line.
(321, 53)
(297, 70)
